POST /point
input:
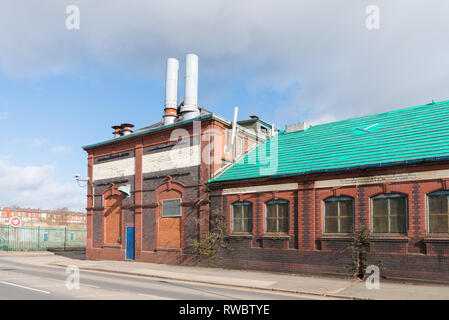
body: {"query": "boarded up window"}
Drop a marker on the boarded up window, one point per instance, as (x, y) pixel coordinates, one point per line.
(338, 215)
(438, 212)
(277, 216)
(112, 220)
(389, 213)
(171, 208)
(242, 219)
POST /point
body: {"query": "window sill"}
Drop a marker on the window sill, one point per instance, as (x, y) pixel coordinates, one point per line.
(389, 238)
(436, 239)
(337, 237)
(275, 236)
(240, 235)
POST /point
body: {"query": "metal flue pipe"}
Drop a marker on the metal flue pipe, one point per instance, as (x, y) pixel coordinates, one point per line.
(190, 108)
(171, 91)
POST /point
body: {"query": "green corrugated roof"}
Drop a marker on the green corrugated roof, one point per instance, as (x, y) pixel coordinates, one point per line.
(401, 136)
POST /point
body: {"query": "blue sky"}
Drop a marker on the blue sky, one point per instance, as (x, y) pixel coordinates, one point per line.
(285, 61)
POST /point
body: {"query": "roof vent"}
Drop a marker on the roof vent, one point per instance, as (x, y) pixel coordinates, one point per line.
(295, 127)
(117, 131)
(126, 128)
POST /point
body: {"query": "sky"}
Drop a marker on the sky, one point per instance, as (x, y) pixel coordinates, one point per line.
(285, 61)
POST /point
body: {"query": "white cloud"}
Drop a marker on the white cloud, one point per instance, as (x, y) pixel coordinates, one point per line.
(342, 68)
(60, 149)
(35, 186)
(37, 142)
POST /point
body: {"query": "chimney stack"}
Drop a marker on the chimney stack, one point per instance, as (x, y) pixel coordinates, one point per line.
(190, 108)
(117, 131)
(171, 91)
(126, 128)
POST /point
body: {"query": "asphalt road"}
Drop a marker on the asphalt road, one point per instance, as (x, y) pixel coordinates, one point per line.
(22, 280)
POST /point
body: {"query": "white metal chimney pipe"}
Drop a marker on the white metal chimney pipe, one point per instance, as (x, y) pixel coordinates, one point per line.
(171, 91)
(190, 109)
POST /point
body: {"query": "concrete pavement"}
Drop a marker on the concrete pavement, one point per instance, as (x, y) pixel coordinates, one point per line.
(265, 281)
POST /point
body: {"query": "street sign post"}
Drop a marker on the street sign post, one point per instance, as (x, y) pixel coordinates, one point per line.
(15, 222)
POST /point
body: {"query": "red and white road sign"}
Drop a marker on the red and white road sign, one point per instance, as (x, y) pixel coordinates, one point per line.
(15, 222)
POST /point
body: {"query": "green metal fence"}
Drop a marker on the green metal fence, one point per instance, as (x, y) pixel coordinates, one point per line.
(41, 238)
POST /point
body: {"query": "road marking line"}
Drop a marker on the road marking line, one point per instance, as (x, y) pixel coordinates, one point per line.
(98, 295)
(155, 297)
(28, 288)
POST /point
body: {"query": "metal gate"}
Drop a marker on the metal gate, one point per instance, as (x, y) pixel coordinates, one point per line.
(41, 238)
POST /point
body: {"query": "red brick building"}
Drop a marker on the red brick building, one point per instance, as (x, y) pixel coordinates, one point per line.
(387, 174)
(44, 218)
(293, 200)
(147, 187)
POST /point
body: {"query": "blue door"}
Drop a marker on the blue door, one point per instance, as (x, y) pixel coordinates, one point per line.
(130, 243)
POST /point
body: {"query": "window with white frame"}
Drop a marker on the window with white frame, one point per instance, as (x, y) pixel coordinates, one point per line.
(389, 213)
(338, 215)
(438, 212)
(277, 216)
(242, 217)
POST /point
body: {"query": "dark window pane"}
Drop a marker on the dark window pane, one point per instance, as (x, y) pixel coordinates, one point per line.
(271, 225)
(346, 224)
(331, 224)
(380, 224)
(271, 210)
(438, 204)
(380, 207)
(248, 225)
(397, 224)
(283, 225)
(283, 210)
(283, 217)
(438, 223)
(398, 206)
(331, 208)
(398, 217)
(237, 227)
(247, 218)
(380, 215)
(438, 214)
(346, 209)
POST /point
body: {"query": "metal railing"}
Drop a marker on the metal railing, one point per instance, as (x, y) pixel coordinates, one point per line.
(41, 238)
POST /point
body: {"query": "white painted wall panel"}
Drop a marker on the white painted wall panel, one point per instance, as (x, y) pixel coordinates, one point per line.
(266, 188)
(172, 159)
(412, 176)
(114, 169)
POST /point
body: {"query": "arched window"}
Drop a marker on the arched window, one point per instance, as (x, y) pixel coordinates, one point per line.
(438, 212)
(242, 217)
(338, 215)
(276, 216)
(389, 213)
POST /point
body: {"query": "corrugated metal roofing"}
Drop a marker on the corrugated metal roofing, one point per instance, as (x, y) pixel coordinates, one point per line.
(401, 136)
